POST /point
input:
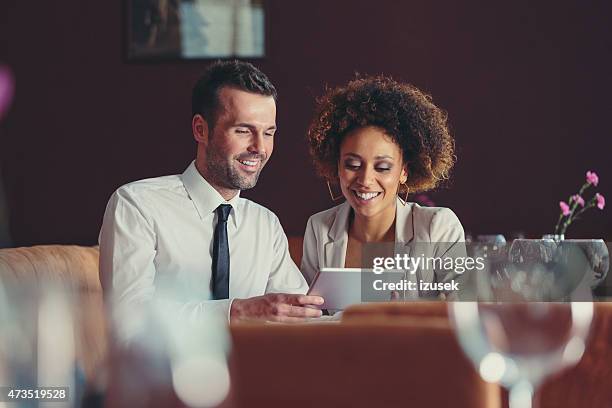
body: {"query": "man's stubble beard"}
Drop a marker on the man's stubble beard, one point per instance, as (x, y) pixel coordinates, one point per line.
(225, 174)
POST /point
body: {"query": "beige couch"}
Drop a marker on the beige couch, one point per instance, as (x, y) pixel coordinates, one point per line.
(76, 267)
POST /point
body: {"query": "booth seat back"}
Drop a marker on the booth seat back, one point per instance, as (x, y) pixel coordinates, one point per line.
(588, 384)
(412, 363)
(295, 248)
(75, 268)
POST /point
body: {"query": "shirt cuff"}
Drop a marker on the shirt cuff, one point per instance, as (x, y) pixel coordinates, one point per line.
(229, 310)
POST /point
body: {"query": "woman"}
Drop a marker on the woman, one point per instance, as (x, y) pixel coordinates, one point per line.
(380, 140)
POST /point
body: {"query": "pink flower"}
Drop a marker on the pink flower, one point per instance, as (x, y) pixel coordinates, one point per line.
(564, 208)
(576, 198)
(601, 201)
(591, 178)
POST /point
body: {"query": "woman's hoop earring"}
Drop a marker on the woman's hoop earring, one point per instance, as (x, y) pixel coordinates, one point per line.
(405, 200)
(331, 194)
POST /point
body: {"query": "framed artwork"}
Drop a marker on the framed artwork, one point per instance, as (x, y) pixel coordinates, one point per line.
(195, 29)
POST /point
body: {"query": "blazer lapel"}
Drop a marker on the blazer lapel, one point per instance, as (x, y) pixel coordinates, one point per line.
(404, 242)
(404, 223)
(335, 248)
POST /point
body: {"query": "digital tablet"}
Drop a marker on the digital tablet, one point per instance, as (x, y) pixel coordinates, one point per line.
(342, 287)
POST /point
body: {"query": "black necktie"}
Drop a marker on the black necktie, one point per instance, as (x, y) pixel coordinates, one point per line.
(221, 259)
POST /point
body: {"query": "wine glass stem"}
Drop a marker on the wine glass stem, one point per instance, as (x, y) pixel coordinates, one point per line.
(521, 395)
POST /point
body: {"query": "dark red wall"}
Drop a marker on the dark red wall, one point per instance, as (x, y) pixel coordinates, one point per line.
(527, 86)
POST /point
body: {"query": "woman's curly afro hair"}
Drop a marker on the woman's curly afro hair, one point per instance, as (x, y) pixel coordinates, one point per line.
(406, 114)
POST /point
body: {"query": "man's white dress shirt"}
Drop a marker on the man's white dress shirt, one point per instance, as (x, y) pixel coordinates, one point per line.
(157, 239)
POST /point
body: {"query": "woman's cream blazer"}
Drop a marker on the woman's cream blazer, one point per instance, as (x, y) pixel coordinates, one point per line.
(419, 231)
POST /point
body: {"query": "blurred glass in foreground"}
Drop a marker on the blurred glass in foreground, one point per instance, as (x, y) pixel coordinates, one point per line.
(531, 315)
(37, 346)
(168, 349)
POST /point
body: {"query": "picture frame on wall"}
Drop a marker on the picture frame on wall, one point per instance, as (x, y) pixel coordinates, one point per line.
(195, 29)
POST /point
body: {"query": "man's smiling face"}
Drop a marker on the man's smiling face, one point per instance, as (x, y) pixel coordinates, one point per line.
(242, 139)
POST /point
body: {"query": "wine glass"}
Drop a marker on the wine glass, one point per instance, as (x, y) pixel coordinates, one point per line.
(530, 317)
(169, 347)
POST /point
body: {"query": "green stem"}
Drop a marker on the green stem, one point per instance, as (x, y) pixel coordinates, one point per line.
(558, 221)
(573, 215)
(586, 207)
(573, 207)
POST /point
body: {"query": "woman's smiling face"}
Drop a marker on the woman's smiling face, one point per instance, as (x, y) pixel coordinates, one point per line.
(370, 170)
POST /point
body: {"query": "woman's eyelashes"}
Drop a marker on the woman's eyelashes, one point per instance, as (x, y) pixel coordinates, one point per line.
(354, 166)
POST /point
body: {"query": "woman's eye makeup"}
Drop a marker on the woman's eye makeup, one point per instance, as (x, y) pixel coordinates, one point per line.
(354, 165)
(383, 167)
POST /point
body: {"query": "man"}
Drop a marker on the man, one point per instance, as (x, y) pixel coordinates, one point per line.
(192, 234)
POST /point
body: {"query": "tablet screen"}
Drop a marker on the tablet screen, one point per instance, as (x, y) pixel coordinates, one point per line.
(342, 287)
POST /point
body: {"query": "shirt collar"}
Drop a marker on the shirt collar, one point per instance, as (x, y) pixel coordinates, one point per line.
(204, 196)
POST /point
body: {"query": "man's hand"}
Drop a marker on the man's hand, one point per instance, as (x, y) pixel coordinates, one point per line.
(278, 307)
